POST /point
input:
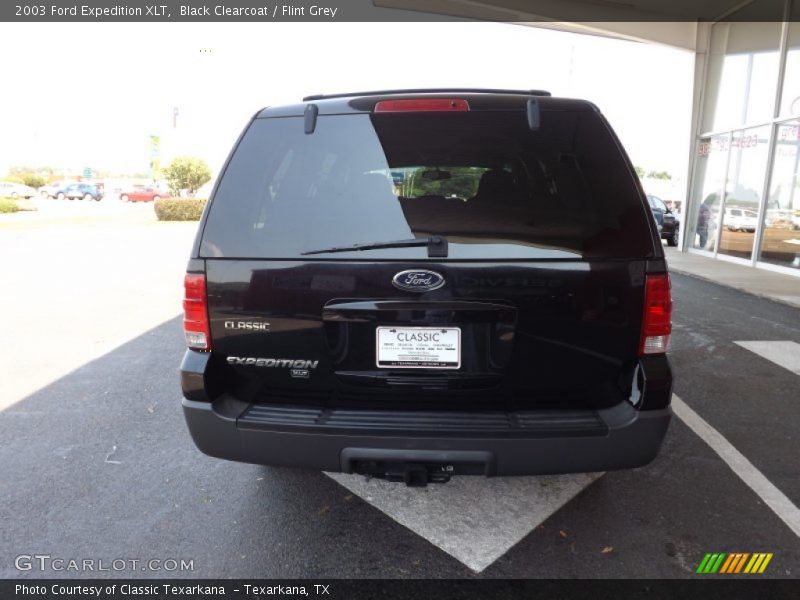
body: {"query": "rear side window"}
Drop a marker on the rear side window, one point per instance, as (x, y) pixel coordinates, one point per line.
(658, 204)
(482, 179)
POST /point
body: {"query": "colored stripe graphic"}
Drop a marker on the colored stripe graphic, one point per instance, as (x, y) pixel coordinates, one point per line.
(711, 562)
(703, 563)
(724, 563)
(740, 563)
(728, 564)
(754, 563)
(764, 564)
(759, 563)
(719, 562)
(736, 563)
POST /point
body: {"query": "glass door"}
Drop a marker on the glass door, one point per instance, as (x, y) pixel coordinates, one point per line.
(711, 164)
(747, 165)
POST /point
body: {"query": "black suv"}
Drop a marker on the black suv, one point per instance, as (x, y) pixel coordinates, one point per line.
(420, 283)
(668, 224)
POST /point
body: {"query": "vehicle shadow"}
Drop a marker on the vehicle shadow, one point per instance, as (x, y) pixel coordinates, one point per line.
(99, 466)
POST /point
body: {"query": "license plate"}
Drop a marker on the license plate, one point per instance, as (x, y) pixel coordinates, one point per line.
(418, 347)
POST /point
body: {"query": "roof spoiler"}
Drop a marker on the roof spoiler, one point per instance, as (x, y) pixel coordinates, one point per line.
(431, 91)
(534, 113)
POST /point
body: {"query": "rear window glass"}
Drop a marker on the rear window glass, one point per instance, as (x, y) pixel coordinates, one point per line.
(483, 179)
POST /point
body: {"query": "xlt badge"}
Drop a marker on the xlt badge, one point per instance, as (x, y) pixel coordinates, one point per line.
(418, 280)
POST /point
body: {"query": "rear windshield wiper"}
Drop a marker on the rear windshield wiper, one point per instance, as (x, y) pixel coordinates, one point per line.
(437, 246)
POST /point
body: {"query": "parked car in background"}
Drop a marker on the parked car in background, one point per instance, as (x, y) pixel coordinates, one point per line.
(145, 194)
(55, 190)
(668, 223)
(84, 191)
(740, 219)
(9, 189)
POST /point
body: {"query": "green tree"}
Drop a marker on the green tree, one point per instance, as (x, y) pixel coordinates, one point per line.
(23, 172)
(34, 180)
(186, 173)
(639, 171)
(35, 177)
(659, 175)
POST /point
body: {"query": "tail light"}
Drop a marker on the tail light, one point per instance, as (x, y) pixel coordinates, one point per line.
(657, 318)
(195, 312)
(423, 105)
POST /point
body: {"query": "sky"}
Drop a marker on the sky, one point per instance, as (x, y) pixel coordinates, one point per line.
(91, 94)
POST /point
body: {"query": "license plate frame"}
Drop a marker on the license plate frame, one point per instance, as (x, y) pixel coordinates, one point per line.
(444, 353)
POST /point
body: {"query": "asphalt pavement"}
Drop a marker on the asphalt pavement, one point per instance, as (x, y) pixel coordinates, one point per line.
(98, 465)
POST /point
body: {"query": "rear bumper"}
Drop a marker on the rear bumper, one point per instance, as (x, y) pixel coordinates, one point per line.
(618, 438)
(669, 231)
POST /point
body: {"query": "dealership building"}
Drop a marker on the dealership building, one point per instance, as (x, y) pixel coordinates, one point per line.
(743, 193)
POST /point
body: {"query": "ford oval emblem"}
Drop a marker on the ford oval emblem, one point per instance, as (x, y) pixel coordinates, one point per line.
(418, 280)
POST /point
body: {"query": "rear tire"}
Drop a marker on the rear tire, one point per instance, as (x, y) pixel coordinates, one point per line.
(672, 240)
(156, 198)
(124, 198)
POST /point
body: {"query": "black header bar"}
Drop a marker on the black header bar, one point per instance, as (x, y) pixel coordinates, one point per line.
(392, 589)
(326, 11)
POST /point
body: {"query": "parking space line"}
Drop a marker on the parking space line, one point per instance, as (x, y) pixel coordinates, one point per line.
(478, 520)
(474, 519)
(747, 472)
(783, 353)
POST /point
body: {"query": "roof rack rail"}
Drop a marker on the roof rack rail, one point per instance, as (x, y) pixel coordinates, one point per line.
(430, 91)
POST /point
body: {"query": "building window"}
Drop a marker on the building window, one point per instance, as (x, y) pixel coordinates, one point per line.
(780, 244)
(747, 164)
(790, 102)
(712, 158)
(742, 75)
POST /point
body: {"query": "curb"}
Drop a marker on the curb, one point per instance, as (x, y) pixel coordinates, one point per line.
(734, 287)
